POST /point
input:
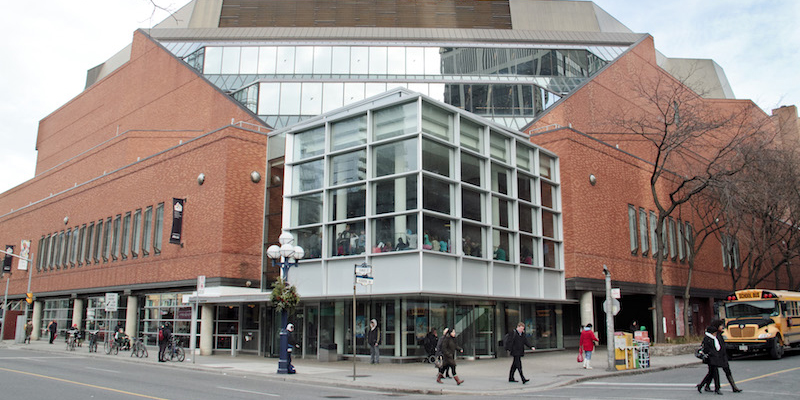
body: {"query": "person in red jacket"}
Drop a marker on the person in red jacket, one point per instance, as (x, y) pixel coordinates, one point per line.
(586, 344)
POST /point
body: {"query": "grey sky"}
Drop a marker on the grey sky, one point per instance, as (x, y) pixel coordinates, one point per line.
(48, 46)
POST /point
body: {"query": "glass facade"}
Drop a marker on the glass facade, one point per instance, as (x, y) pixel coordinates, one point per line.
(287, 83)
(167, 307)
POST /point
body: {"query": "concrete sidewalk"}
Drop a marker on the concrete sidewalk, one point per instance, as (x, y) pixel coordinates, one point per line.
(545, 369)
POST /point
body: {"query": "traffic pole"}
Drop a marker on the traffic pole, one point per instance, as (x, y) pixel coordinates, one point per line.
(609, 321)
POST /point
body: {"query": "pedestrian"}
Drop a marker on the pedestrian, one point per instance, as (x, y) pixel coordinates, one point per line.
(28, 332)
(439, 350)
(449, 348)
(711, 347)
(587, 342)
(430, 342)
(53, 328)
(289, 367)
(518, 341)
(164, 335)
(720, 325)
(374, 340)
(634, 326)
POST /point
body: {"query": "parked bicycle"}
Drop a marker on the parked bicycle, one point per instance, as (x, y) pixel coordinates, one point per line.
(138, 348)
(111, 345)
(93, 341)
(72, 340)
(175, 351)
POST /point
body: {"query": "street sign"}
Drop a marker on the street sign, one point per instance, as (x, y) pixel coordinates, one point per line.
(112, 300)
(363, 270)
(616, 293)
(201, 284)
(615, 307)
(364, 280)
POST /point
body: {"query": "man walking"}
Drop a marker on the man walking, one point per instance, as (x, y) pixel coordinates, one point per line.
(374, 339)
(518, 341)
(53, 328)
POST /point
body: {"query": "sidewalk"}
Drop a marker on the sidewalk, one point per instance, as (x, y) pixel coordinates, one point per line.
(545, 369)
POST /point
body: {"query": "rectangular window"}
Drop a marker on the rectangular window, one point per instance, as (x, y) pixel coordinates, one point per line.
(146, 232)
(76, 241)
(115, 239)
(82, 245)
(41, 254)
(653, 237)
(643, 231)
(672, 250)
(348, 133)
(107, 240)
(159, 225)
(689, 240)
(88, 252)
(632, 229)
(725, 256)
(65, 254)
(98, 241)
(125, 242)
(472, 135)
(136, 235)
(679, 231)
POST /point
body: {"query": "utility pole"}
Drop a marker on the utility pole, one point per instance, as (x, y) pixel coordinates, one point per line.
(609, 321)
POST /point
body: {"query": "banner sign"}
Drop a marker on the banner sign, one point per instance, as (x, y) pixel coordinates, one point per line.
(8, 258)
(177, 221)
(24, 254)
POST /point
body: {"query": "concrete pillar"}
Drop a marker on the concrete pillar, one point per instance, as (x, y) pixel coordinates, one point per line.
(37, 320)
(587, 309)
(77, 313)
(206, 329)
(131, 314)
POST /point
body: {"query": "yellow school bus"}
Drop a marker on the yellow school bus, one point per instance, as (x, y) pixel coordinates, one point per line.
(759, 320)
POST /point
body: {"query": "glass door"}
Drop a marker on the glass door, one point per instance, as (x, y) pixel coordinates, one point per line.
(251, 321)
(473, 324)
(311, 342)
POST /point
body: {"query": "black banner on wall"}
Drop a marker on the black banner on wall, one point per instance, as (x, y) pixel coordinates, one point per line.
(177, 221)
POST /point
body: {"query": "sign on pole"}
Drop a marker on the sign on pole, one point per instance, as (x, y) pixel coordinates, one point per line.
(364, 274)
(112, 300)
(616, 293)
(615, 307)
(201, 284)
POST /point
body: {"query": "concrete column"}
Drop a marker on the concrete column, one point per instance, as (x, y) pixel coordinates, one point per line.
(587, 308)
(131, 314)
(206, 329)
(37, 320)
(77, 313)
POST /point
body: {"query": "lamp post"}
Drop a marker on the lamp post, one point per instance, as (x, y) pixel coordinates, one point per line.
(285, 257)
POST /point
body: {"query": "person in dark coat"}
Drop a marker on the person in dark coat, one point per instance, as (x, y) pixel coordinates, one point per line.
(720, 325)
(715, 359)
(439, 349)
(163, 342)
(517, 344)
(53, 328)
(374, 340)
(449, 349)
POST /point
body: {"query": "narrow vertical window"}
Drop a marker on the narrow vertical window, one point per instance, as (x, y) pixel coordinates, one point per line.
(82, 245)
(115, 242)
(65, 253)
(39, 257)
(136, 233)
(672, 252)
(681, 242)
(125, 242)
(689, 240)
(643, 231)
(98, 241)
(723, 241)
(146, 235)
(159, 225)
(653, 237)
(107, 240)
(76, 241)
(632, 228)
(89, 243)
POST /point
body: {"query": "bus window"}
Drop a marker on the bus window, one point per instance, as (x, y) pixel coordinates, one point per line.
(757, 309)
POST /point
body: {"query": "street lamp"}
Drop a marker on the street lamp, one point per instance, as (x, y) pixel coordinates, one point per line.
(285, 256)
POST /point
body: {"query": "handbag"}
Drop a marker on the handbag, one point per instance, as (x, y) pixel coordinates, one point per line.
(438, 362)
(580, 356)
(700, 354)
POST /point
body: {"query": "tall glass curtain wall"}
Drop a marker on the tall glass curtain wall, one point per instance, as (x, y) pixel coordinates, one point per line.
(486, 195)
(285, 84)
(404, 324)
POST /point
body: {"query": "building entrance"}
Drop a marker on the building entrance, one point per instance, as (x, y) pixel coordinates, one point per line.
(474, 326)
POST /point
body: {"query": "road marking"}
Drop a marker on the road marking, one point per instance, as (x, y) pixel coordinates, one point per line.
(82, 384)
(636, 384)
(769, 374)
(104, 370)
(249, 391)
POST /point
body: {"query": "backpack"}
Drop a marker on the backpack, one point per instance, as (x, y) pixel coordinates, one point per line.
(160, 334)
(507, 341)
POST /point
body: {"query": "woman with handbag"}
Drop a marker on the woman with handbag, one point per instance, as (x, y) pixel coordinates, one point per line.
(586, 344)
(449, 348)
(712, 348)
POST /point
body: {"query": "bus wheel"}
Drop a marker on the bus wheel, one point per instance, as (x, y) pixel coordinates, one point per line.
(776, 352)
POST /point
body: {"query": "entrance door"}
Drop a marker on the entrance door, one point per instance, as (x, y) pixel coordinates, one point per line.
(251, 321)
(474, 326)
(311, 330)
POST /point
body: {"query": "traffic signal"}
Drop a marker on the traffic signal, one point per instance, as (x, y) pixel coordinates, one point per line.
(29, 297)
(8, 258)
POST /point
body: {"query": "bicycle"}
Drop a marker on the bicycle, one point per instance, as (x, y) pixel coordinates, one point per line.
(71, 341)
(175, 351)
(93, 341)
(111, 345)
(138, 348)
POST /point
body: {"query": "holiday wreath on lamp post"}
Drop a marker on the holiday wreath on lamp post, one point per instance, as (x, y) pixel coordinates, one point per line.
(284, 296)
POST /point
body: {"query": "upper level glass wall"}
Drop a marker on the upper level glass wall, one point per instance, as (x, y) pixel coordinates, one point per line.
(414, 175)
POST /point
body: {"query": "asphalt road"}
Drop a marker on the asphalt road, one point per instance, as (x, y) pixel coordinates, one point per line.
(29, 375)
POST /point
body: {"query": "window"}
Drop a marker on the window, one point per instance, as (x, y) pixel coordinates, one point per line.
(498, 146)
(473, 240)
(730, 252)
(471, 204)
(395, 233)
(348, 133)
(98, 238)
(632, 229)
(82, 245)
(546, 166)
(502, 245)
(307, 209)
(67, 249)
(159, 224)
(689, 240)
(350, 202)
(436, 232)
(436, 158)
(548, 195)
(501, 178)
(308, 176)
(471, 135)
(136, 235)
(643, 230)
(523, 157)
(437, 122)
(653, 237)
(395, 121)
(672, 245)
(550, 224)
(395, 195)
(310, 239)
(679, 238)
(126, 235)
(309, 143)
(525, 185)
(107, 240)
(437, 196)
(395, 158)
(41, 254)
(501, 212)
(527, 219)
(348, 239)
(89, 253)
(115, 240)
(76, 241)
(146, 235)
(471, 169)
(348, 167)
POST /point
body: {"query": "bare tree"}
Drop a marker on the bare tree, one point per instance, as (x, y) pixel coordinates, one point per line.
(693, 143)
